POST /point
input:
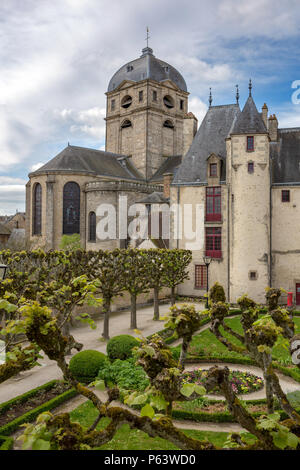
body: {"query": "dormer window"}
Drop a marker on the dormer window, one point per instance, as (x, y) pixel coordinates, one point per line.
(250, 143)
(213, 170)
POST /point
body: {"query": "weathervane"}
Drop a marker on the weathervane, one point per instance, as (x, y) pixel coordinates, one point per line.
(148, 36)
(237, 94)
(210, 98)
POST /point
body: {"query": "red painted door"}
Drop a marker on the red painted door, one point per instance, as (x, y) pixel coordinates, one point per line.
(297, 294)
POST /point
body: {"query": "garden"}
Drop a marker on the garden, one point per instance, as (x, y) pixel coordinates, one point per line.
(220, 365)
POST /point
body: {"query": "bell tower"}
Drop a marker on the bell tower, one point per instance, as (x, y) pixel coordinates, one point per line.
(147, 102)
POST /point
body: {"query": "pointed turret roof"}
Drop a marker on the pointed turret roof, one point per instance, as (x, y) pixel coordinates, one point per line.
(249, 121)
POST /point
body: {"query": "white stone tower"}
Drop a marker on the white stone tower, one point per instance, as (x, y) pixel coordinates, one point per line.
(248, 173)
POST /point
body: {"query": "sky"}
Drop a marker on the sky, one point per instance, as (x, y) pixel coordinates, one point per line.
(57, 57)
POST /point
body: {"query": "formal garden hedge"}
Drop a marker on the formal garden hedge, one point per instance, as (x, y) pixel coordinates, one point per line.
(31, 415)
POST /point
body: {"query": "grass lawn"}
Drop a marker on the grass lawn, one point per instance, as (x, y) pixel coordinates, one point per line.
(128, 439)
(206, 344)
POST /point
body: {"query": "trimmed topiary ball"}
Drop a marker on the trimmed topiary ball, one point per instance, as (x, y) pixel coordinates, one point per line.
(120, 347)
(85, 365)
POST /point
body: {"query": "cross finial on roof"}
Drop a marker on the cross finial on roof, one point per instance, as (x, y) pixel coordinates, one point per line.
(210, 98)
(237, 94)
(148, 36)
(250, 87)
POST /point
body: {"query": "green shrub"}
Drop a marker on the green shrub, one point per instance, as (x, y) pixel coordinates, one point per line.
(217, 293)
(6, 443)
(85, 365)
(125, 374)
(120, 347)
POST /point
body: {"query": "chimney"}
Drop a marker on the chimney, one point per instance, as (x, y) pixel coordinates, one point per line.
(190, 125)
(273, 128)
(167, 182)
(265, 114)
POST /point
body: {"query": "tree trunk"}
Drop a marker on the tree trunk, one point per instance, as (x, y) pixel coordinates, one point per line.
(106, 311)
(267, 360)
(156, 303)
(169, 409)
(173, 300)
(133, 323)
(183, 352)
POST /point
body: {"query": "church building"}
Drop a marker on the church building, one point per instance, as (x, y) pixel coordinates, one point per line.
(239, 165)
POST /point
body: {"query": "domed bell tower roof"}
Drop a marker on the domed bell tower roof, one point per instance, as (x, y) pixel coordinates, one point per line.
(147, 67)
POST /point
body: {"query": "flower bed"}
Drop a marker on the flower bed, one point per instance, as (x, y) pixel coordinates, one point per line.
(26, 408)
(241, 382)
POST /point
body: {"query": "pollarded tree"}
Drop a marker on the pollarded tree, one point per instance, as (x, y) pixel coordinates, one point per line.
(168, 385)
(156, 273)
(136, 277)
(176, 263)
(185, 321)
(108, 269)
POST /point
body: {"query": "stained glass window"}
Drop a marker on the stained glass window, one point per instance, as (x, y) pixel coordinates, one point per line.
(37, 209)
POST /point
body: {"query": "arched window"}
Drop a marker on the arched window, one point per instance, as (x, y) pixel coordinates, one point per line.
(125, 124)
(168, 124)
(71, 208)
(37, 210)
(92, 227)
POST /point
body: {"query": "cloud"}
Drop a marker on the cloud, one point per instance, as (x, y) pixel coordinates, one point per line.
(57, 57)
(36, 166)
(84, 122)
(197, 107)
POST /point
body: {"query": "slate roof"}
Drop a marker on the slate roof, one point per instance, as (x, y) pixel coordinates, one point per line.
(147, 67)
(95, 162)
(170, 165)
(209, 139)
(249, 121)
(154, 198)
(285, 156)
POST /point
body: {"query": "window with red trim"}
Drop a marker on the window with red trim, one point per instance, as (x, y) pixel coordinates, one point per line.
(200, 276)
(250, 143)
(213, 170)
(213, 242)
(285, 195)
(213, 204)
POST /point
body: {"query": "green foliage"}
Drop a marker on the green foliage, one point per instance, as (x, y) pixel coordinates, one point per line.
(283, 438)
(121, 347)
(184, 319)
(217, 293)
(85, 365)
(125, 374)
(70, 242)
(6, 443)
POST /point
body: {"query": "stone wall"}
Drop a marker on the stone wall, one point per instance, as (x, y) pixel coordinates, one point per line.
(285, 239)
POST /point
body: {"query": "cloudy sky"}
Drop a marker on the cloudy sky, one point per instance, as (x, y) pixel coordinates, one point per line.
(57, 56)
